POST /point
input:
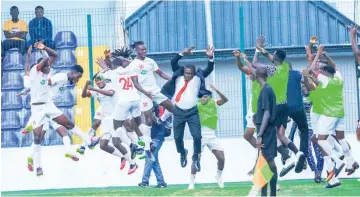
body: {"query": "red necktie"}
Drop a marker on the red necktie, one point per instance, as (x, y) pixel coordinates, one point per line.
(178, 96)
(161, 111)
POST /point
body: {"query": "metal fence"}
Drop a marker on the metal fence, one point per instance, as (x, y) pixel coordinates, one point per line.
(100, 29)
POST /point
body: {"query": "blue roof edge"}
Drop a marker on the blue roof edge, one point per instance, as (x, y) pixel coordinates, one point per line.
(140, 12)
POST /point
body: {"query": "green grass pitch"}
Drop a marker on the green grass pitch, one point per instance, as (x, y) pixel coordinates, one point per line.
(349, 187)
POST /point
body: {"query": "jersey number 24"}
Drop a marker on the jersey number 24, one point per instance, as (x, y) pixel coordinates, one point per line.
(127, 83)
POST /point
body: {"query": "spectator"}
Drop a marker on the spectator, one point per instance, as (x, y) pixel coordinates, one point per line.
(40, 29)
(15, 32)
(158, 134)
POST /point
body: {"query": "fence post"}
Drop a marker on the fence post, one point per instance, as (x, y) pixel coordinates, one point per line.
(243, 77)
(90, 51)
(357, 74)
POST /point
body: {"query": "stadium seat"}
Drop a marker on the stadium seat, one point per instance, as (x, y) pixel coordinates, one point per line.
(10, 138)
(27, 140)
(12, 80)
(13, 60)
(65, 39)
(66, 99)
(10, 119)
(54, 137)
(27, 101)
(9, 100)
(65, 59)
(26, 118)
(35, 55)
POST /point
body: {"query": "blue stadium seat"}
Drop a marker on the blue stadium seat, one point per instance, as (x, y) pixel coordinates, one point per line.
(26, 118)
(27, 101)
(9, 100)
(10, 138)
(65, 99)
(65, 39)
(10, 119)
(12, 80)
(69, 112)
(54, 138)
(13, 60)
(35, 55)
(27, 140)
(65, 59)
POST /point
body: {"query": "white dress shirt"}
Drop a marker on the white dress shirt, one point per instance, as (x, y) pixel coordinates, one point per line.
(189, 97)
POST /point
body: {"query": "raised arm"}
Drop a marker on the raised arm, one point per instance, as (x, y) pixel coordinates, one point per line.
(239, 63)
(210, 67)
(53, 54)
(354, 46)
(222, 99)
(260, 45)
(174, 62)
(313, 66)
(308, 48)
(330, 61)
(27, 61)
(85, 93)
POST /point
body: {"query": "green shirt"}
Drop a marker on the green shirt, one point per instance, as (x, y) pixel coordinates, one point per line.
(279, 82)
(330, 100)
(208, 114)
(255, 93)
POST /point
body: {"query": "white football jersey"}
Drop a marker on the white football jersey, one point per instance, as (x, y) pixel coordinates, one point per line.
(40, 89)
(144, 70)
(107, 103)
(58, 85)
(124, 88)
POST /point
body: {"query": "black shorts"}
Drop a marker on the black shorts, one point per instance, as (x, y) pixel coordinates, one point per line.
(282, 113)
(269, 140)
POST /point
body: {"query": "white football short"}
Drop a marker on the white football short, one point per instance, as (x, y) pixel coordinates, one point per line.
(146, 103)
(40, 113)
(107, 127)
(328, 125)
(125, 110)
(210, 140)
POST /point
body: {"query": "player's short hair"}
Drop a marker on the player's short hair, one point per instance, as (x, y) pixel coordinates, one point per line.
(39, 7)
(137, 43)
(123, 52)
(281, 54)
(329, 69)
(33, 65)
(77, 68)
(13, 7)
(191, 66)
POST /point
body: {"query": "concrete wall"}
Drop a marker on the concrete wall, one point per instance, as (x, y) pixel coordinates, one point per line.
(99, 169)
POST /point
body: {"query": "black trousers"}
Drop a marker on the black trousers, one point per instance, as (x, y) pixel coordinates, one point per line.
(9, 44)
(191, 117)
(299, 117)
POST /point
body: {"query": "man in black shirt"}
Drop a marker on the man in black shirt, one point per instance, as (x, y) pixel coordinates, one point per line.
(264, 120)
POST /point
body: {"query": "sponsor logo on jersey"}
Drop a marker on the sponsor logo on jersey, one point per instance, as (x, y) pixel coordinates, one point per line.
(144, 72)
(42, 82)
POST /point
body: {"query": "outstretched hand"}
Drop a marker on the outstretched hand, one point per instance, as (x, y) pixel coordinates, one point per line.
(101, 62)
(313, 39)
(353, 30)
(236, 53)
(188, 50)
(213, 87)
(107, 53)
(210, 51)
(260, 42)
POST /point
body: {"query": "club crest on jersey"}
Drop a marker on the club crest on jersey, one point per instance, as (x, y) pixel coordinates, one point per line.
(141, 66)
(143, 72)
(62, 89)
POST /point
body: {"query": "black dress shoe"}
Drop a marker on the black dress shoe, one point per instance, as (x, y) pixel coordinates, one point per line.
(183, 159)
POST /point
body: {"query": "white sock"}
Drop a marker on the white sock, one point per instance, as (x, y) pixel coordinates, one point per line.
(347, 152)
(334, 180)
(32, 150)
(146, 130)
(86, 138)
(128, 158)
(192, 177)
(133, 137)
(124, 138)
(67, 144)
(329, 163)
(117, 152)
(219, 173)
(37, 155)
(165, 115)
(327, 148)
